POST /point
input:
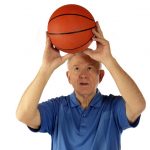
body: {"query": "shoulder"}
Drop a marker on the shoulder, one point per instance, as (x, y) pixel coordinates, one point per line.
(61, 100)
(113, 100)
(53, 105)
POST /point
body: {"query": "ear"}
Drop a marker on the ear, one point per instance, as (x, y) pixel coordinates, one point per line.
(68, 76)
(101, 75)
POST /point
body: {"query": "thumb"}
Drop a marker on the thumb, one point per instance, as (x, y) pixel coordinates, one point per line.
(88, 52)
(48, 41)
(67, 56)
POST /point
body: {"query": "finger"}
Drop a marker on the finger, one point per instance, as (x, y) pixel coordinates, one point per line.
(97, 34)
(98, 28)
(48, 41)
(88, 51)
(67, 56)
(101, 41)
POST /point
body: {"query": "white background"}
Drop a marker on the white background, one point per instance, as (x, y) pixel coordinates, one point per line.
(125, 23)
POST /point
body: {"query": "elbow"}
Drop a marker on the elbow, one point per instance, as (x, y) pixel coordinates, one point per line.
(25, 116)
(140, 107)
(19, 116)
(135, 111)
(143, 105)
(22, 117)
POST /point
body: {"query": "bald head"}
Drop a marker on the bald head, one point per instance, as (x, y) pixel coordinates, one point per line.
(78, 58)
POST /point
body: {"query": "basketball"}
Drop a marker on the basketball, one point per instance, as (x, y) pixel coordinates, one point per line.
(70, 28)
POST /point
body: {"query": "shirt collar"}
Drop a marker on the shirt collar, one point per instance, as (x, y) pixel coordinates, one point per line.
(96, 101)
(73, 100)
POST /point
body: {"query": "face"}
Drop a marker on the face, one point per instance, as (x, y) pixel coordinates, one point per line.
(84, 74)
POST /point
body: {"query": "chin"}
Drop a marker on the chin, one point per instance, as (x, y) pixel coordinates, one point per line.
(85, 91)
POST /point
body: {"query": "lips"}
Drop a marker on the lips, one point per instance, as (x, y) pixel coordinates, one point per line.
(84, 83)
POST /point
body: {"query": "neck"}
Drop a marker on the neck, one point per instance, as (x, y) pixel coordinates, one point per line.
(85, 100)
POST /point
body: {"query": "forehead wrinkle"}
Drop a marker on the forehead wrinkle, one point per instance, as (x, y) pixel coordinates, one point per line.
(83, 57)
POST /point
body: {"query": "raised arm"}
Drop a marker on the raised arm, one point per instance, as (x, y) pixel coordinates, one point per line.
(27, 110)
(135, 102)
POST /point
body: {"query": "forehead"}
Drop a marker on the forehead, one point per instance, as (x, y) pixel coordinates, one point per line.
(82, 59)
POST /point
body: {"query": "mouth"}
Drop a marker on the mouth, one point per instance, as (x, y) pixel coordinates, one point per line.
(84, 83)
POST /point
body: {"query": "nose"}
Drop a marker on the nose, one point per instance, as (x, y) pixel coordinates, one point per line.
(83, 74)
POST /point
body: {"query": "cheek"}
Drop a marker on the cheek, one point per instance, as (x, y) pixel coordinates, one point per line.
(73, 79)
(95, 79)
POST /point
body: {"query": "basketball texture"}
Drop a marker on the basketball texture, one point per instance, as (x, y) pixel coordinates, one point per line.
(70, 28)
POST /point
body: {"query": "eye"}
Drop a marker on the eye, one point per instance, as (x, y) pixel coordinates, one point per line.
(76, 68)
(90, 68)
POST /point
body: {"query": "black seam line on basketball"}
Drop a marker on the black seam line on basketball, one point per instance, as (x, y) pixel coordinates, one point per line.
(75, 47)
(73, 15)
(71, 32)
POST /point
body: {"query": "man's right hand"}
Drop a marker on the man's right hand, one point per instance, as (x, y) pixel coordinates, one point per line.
(27, 110)
(52, 58)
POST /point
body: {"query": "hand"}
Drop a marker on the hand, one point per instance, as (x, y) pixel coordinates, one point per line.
(52, 58)
(102, 52)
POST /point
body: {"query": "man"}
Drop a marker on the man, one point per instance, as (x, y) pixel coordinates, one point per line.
(86, 119)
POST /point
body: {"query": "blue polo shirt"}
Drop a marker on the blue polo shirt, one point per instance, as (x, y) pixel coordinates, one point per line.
(71, 127)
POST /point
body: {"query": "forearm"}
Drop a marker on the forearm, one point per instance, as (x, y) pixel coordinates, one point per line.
(30, 99)
(134, 99)
(127, 87)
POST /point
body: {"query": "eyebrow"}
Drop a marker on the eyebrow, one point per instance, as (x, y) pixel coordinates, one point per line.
(87, 64)
(75, 65)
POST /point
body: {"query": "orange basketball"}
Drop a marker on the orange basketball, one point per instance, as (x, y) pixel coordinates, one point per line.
(70, 28)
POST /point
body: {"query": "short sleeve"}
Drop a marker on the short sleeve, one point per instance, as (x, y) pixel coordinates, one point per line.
(120, 114)
(48, 112)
